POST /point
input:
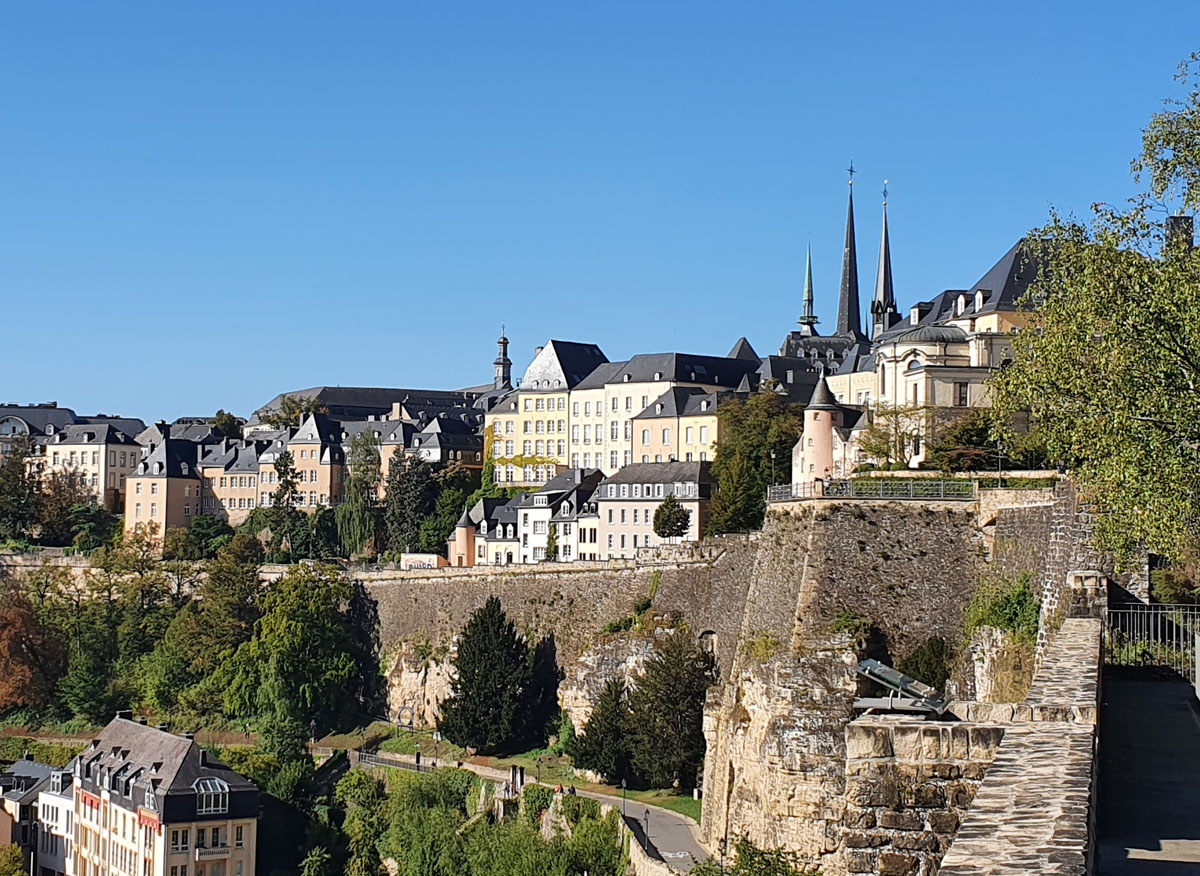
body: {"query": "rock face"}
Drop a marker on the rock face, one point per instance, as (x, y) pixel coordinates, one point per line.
(416, 687)
(621, 656)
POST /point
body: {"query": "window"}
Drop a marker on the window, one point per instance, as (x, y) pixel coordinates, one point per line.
(587, 434)
(574, 434)
(541, 404)
(527, 448)
(960, 395)
(587, 409)
(610, 536)
(179, 840)
(624, 519)
(212, 797)
(645, 436)
(575, 408)
(540, 427)
(201, 838)
(153, 509)
(137, 509)
(528, 404)
(635, 515)
(615, 430)
(610, 520)
(154, 489)
(704, 434)
(539, 527)
(666, 436)
(526, 427)
(689, 435)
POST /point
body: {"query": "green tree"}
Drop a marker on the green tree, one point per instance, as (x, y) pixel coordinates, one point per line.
(552, 544)
(358, 517)
(491, 683)
(750, 860)
(12, 860)
(363, 796)
(437, 528)
(667, 708)
(291, 412)
(750, 431)
(92, 526)
(411, 497)
(308, 660)
(895, 434)
(1109, 365)
(604, 743)
(211, 533)
(283, 517)
(19, 490)
(318, 862)
(61, 493)
(671, 520)
(229, 424)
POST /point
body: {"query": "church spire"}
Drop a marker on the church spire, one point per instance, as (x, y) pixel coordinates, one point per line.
(883, 307)
(849, 321)
(808, 318)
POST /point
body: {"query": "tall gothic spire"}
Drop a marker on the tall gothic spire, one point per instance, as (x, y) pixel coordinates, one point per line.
(808, 318)
(849, 321)
(883, 306)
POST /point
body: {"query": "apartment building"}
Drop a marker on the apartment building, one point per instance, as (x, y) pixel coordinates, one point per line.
(486, 535)
(564, 507)
(97, 456)
(319, 460)
(626, 503)
(56, 825)
(617, 394)
(531, 424)
(681, 425)
(48, 419)
(230, 475)
(149, 803)
(165, 489)
(20, 785)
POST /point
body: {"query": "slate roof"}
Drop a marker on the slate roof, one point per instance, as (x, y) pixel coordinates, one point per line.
(561, 365)
(742, 350)
(664, 473)
(90, 433)
(24, 780)
(675, 367)
(685, 401)
(38, 417)
(360, 402)
(201, 433)
(172, 458)
(130, 756)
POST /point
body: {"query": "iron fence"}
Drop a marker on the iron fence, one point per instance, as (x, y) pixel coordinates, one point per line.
(385, 761)
(876, 488)
(1153, 635)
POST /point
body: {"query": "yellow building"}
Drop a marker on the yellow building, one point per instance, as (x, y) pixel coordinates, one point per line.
(680, 425)
(531, 424)
(150, 803)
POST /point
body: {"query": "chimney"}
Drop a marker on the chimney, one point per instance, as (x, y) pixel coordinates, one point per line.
(125, 714)
(190, 737)
(1180, 233)
(203, 757)
(142, 720)
(537, 350)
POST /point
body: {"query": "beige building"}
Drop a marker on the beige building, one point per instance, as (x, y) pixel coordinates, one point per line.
(98, 457)
(165, 489)
(680, 425)
(230, 474)
(149, 803)
(320, 462)
(626, 502)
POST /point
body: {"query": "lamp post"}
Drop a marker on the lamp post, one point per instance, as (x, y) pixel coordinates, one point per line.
(772, 466)
(437, 744)
(418, 757)
(622, 798)
(646, 829)
(539, 770)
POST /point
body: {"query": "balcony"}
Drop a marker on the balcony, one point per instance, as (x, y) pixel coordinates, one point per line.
(212, 853)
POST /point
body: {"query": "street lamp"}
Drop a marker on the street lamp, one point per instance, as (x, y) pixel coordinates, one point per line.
(539, 769)
(646, 820)
(772, 466)
(622, 799)
(418, 757)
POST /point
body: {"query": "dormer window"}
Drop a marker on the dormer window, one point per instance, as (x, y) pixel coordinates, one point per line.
(980, 297)
(49, 428)
(183, 468)
(960, 305)
(658, 408)
(212, 796)
(658, 375)
(704, 405)
(158, 467)
(626, 377)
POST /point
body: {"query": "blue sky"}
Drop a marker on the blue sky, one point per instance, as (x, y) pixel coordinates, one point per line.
(209, 203)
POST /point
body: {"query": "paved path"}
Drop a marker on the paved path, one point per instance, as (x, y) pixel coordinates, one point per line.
(673, 837)
(1149, 813)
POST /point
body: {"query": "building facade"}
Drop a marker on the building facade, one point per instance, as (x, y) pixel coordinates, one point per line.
(626, 502)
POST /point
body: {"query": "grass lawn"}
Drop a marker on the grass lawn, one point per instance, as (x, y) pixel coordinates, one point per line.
(681, 803)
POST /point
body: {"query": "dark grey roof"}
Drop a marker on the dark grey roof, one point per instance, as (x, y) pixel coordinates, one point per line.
(562, 365)
(130, 426)
(686, 401)
(49, 418)
(933, 334)
(88, 433)
(22, 781)
(678, 368)
(360, 402)
(133, 757)
(491, 511)
(601, 375)
(664, 473)
(200, 433)
(742, 350)
(172, 458)
(849, 322)
(822, 398)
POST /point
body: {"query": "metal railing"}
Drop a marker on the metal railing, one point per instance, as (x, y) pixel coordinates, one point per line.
(384, 761)
(876, 488)
(1153, 635)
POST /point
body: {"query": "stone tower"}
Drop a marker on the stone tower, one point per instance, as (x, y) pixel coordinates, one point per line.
(503, 365)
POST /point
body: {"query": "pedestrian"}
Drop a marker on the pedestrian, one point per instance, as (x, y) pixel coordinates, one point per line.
(558, 790)
(572, 791)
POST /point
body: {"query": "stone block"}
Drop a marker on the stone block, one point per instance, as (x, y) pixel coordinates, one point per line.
(1053, 713)
(915, 842)
(891, 864)
(928, 796)
(943, 822)
(905, 819)
(866, 741)
(960, 743)
(975, 771)
(859, 819)
(858, 839)
(1022, 714)
(931, 744)
(859, 861)
(985, 741)
(906, 743)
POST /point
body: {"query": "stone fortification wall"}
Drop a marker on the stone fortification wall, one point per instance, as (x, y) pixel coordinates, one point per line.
(776, 766)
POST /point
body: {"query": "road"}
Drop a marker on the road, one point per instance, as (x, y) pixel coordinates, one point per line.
(673, 837)
(1149, 777)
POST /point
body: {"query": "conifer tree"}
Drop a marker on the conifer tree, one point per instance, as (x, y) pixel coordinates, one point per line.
(358, 516)
(19, 492)
(671, 520)
(491, 684)
(603, 745)
(283, 511)
(552, 544)
(667, 708)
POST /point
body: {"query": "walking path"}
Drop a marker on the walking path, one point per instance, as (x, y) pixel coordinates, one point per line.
(673, 838)
(1149, 777)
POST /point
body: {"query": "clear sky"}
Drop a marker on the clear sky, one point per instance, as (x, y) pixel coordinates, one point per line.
(207, 203)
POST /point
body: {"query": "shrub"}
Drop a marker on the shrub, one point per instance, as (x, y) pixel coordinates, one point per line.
(852, 624)
(761, 647)
(1173, 587)
(618, 626)
(576, 809)
(13, 748)
(537, 800)
(1006, 605)
(930, 662)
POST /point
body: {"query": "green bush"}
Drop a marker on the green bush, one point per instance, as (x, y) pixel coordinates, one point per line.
(618, 626)
(537, 800)
(930, 662)
(1173, 587)
(13, 748)
(576, 809)
(1006, 605)
(852, 624)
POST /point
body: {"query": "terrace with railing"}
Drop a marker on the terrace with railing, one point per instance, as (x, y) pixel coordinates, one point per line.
(898, 489)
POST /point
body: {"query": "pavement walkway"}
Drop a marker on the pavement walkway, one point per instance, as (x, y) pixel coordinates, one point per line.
(1149, 787)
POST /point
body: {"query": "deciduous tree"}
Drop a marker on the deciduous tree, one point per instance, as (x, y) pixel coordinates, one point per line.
(19, 493)
(671, 520)
(750, 431)
(30, 654)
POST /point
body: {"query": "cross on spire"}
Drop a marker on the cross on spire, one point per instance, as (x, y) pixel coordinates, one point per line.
(850, 170)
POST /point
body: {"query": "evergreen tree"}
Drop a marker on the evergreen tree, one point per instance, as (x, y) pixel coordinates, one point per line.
(750, 430)
(291, 412)
(411, 497)
(671, 520)
(668, 709)
(603, 744)
(61, 492)
(437, 528)
(552, 544)
(19, 493)
(211, 533)
(491, 684)
(283, 515)
(358, 517)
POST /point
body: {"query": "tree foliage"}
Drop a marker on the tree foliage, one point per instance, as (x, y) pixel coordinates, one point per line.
(358, 517)
(895, 433)
(18, 490)
(229, 424)
(31, 656)
(291, 412)
(604, 743)
(667, 707)
(411, 496)
(750, 431)
(671, 520)
(1109, 365)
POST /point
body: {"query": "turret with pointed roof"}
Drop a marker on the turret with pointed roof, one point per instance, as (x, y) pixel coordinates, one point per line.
(883, 306)
(849, 322)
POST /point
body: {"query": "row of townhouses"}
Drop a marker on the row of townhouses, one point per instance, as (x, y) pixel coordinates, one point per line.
(578, 430)
(137, 800)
